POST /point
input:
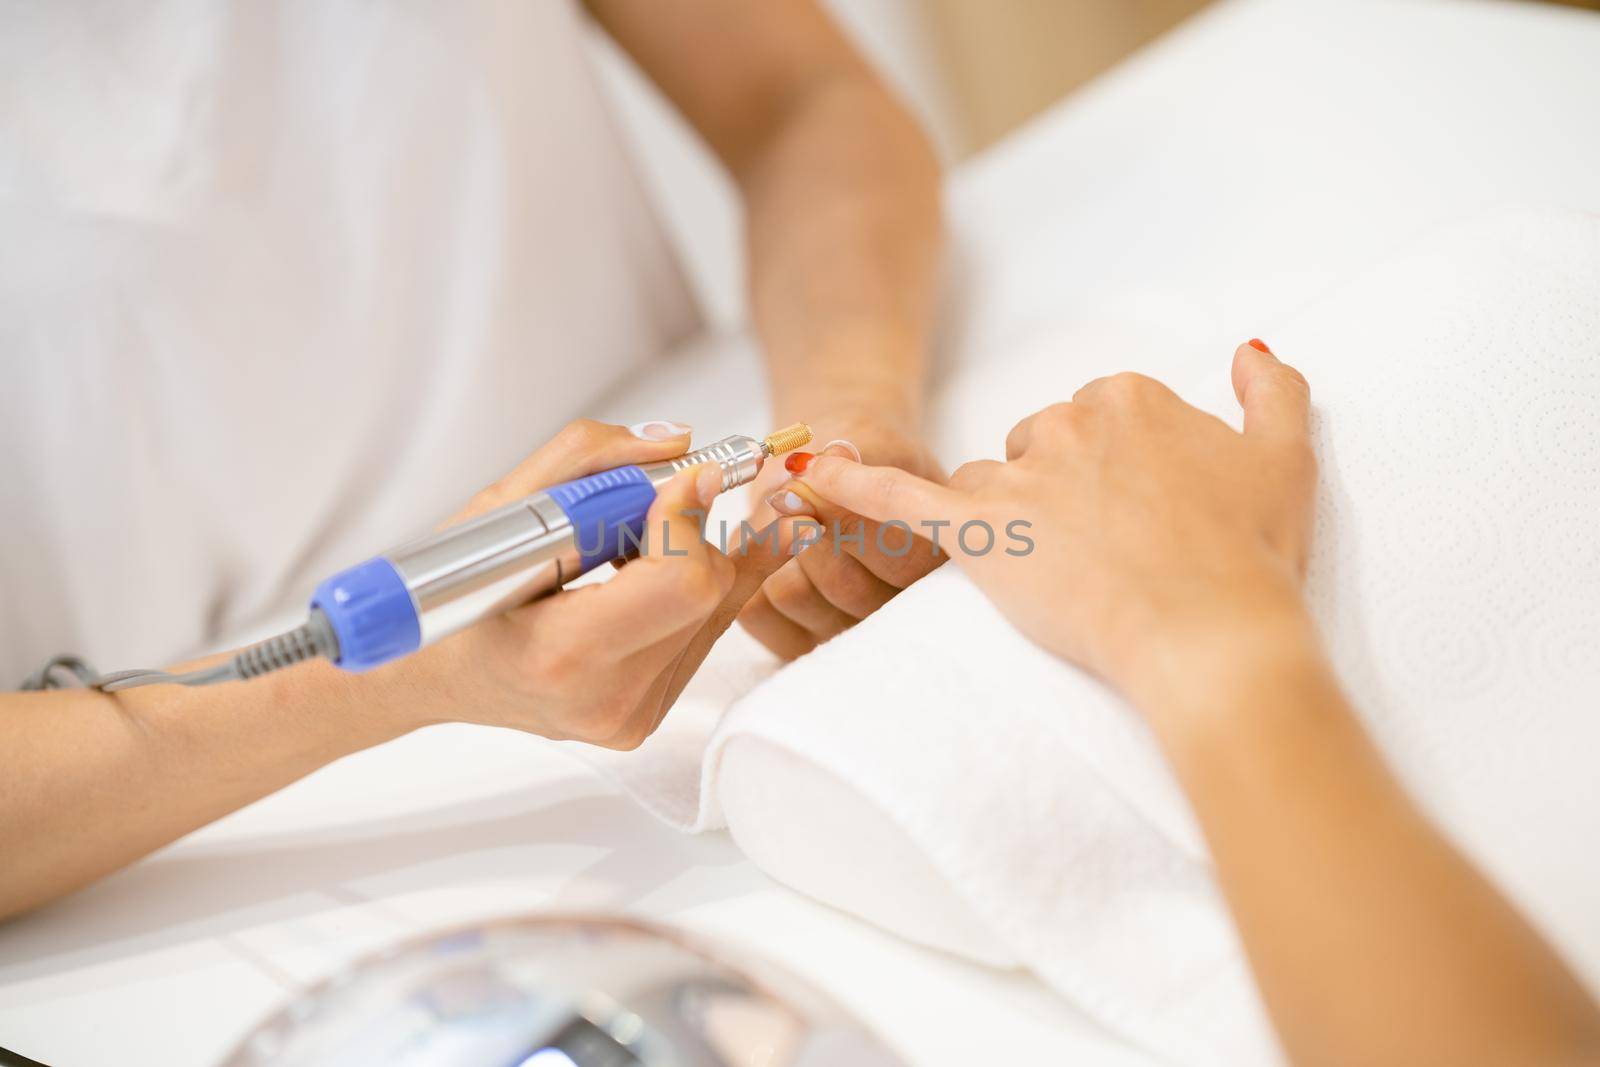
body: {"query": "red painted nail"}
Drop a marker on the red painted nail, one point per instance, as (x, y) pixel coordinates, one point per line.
(797, 462)
(1259, 345)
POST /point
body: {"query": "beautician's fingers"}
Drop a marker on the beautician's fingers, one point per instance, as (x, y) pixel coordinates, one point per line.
(884, 494)
(752, 558)
(784, 637)
(757, 556)
(583, 447)
(1275, 397)
(640, 690)
(676, 581)
(1021, 435)
(630, 696)
(674, 660)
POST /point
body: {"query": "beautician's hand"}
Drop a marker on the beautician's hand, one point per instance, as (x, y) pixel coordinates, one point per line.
(601, 663)
(832, 585)
(1155, 526)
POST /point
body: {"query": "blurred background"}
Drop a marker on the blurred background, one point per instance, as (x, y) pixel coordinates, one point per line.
(971, 70)
(976, 69)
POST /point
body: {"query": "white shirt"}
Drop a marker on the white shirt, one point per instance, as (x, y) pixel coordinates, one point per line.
(281, 285)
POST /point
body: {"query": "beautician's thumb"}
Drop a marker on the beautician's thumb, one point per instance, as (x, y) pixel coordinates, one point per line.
(1275, 397)
(756, 555)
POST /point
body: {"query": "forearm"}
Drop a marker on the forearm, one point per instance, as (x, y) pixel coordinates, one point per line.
(1372, 939)
(844, 229)
(93, 781)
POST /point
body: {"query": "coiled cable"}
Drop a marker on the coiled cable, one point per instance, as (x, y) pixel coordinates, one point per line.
(310, 639)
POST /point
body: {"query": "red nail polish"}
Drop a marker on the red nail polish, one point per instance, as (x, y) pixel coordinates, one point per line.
(1259, 345)
(797, 462)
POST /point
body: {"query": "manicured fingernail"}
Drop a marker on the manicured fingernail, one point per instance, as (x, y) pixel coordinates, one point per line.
(797, 462)
(658, 430)
(788, 502)
(708, 483)
(1259, 345)
(851, 450)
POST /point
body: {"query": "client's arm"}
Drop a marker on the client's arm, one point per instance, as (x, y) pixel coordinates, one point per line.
(1168, 557)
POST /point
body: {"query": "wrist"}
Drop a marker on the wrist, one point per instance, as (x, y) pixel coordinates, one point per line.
(1248, 682)
(1188, 670)
(845, 404)
(293, 721)
(877, 379)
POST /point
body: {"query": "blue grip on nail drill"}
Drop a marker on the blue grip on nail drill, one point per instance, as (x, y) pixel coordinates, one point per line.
(372, 614)
(607, 511)
(371, 611)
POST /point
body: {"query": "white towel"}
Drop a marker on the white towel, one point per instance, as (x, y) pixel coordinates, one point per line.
(936, 774)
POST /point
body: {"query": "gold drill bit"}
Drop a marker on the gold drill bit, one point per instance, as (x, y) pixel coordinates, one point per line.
(787, 439)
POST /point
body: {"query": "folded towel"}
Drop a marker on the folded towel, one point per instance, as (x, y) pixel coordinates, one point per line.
(936, 774)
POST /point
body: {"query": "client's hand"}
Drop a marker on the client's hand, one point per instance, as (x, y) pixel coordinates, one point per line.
(1154, 527)
(1167, 555)
(836, 582)
(601, 663)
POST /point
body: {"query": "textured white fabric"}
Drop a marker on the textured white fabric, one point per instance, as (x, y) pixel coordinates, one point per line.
(280, 285)
(938, 775)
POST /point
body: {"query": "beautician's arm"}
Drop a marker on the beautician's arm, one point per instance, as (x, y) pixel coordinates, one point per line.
(841, 192)
(93, 781)
(1168, 557)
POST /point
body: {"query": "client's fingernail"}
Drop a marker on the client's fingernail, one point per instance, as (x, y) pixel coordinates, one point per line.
(708, 483)
(797, 462)
(851, 450)
(788, 502)
(1259, 345)
(658, 430)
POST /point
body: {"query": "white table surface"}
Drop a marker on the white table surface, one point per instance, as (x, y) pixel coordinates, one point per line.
(171, 960)
(1215, 181)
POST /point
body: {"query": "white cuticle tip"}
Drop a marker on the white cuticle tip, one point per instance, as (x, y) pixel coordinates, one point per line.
(658, 430)
(842, 443)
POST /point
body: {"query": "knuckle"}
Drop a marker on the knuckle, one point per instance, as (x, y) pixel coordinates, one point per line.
(696, 587)
(1059, 420)
(612, 724)
(850, 526)
(970, 475)
(486, 499)
(555, 664)
(1294, 379)
(706, 591)
(629, 736)
(850, 587)
(1059, 415)
(1129, 385)
(582, 435)
(723, 575)
(788, 589)
(887, 489)
(839, 585)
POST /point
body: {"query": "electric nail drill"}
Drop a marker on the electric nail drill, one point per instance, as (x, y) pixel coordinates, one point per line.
(412, 596)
